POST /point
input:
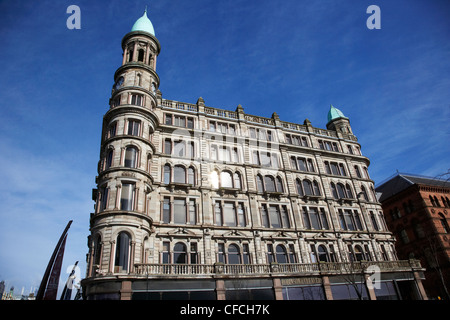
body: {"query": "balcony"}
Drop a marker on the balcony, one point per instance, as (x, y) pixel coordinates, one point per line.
(274, 269)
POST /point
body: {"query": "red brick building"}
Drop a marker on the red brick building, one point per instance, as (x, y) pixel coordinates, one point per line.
(417, 211)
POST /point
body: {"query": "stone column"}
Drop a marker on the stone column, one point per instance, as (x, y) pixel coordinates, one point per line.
(277, 287)
(220, 289)
(126, 291)
(327, 288)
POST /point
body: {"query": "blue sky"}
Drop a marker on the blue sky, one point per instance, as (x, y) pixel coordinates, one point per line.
(293, 57)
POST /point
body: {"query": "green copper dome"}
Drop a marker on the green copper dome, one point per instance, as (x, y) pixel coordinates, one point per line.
(143, 24)
(335, 113)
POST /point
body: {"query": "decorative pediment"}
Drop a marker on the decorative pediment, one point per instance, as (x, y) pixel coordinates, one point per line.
(281, 235)
(233, 234)
(180, 232)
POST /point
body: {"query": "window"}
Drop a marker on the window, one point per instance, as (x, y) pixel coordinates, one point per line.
(265, 159)
(275, 216)
(194, 253)
(237, 180)
(112, 130)
(166, 210)
(166, 252)
(141, 55)
(191, 176)
(314, 218)
(167, 174)
(221, 253)
(231, 214)
(222, 127)
(218, 213)
(179, 253)
(168, 119)
(131, 154)
(122, 252)
(109, 158)
(134, 127)
(192, 212)
(104, 198)
(359, 254)
(259, 183)
(226, 179)
(179, 148)
(307, 188)
(358, 173)
(269, 184)
(127, 196)
(179, 174)
(302, 164)
(281, 255)
(234, 256)
(179, 211)
(444, 223)
(364, 193)
(167, 146)
(215, 179)
(322, 253)
(137, 99)
(350, 220)
(335, 168)
(374, 221)
(339, 191)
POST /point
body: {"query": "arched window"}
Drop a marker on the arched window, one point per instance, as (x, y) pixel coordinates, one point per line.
(444, 223)
(269, 183)
(280, 185)
(167, 174)
(122, 252)
(322, 253)
(215, 179)
(234, 256)
(97, 250)
(298, 184)
(191, 175)
(333, 190)
(259, 183)
(364, 193)
(109, 158)
(141, 55)
(179, 174)
(436, 201)
(131, 157)
(359, 254)
(226, 181)
(281, 255)
(341, 191)
(179, 253)
(237, 180)
(348, 189)
(316, 188)
(307, 187)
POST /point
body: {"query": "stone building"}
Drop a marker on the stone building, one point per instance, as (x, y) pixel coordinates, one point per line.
(417, 212)
(195, 202)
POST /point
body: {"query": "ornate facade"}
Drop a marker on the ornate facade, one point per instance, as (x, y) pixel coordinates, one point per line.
(230, 205)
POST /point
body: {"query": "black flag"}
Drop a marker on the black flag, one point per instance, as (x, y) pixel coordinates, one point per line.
(49, 284)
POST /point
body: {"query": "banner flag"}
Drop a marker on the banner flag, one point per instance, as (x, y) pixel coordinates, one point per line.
(49, 284)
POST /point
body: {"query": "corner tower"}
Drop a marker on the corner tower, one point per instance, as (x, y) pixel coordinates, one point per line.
(121, 225)
(338, 122)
